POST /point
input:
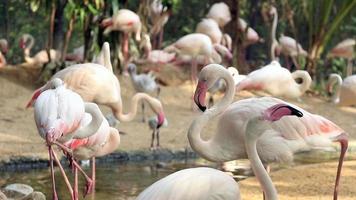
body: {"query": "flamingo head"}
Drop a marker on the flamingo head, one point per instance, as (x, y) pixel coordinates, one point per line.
(131, 68)
(160, 119)
(272, 11)
(22, 43)
(278, 111)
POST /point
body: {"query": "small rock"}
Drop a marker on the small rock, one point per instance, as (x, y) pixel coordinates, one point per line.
(17, 190)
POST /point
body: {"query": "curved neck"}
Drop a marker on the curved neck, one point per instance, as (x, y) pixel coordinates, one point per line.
(306, 80)
(254, 129)
(28, 48)
(208, 149)
(106, 55)
(335, 80)
(111, 143)
(93, 126)
(154, 103)
(273, 35)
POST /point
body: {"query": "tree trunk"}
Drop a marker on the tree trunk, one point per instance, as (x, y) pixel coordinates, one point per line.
(58, 34)
(87, 37)
(68, 36)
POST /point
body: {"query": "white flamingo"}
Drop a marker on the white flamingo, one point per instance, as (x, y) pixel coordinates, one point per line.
(344, 91)
(345, 49)
(278, 143)
(220, 12)
(277, 81)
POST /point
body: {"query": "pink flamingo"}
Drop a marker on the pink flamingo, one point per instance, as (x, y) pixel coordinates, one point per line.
(344, 49)
(26, 43)
(159, 16)
(277, 81)
(58, 116)
(286, 45)
(154, 56)
(210, 28)
(278, 143)
(208, 183)
(195, 45)
(3, 51)
(220, 12)
(251, 36)
(128, 22)
(344, 91)
(97, 83)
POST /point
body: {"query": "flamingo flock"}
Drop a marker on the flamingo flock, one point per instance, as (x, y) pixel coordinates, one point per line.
(263, 130)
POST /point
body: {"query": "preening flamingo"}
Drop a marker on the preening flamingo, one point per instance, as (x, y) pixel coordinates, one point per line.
(154, 56)
(154, 124)
(220, 12)
(26, 43)
(159, 16)
(193, 184)
(58, 115)
(277, 81)
(286, 45)
(97, 83)
(3, 51)
(197, 44)
(344, 91)
(345, 49)
(143, 83)
(127, 22)
(278, 143)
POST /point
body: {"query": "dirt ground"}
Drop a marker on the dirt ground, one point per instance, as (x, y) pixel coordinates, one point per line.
(19, 137)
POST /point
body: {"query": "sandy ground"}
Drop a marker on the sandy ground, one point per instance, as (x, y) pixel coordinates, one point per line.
(19, 137)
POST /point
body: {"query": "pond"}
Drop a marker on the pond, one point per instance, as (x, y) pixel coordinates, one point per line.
(126, 181)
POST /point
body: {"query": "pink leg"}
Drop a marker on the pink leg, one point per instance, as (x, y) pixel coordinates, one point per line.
(89, 184)
(75, 194)
(63, 174)
(55, 196)
(125, 51)
(344, 145)
(93, 172)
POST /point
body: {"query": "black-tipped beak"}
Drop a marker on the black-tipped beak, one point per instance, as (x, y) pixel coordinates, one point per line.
(295, 112)
(199, 95)
(202, 108)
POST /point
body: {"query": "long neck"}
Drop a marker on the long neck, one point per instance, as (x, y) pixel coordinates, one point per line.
(94, 125)
(273, 35)
(254, 128)
(106, 54)
(27, 50)
(154, 103)
(335, 80)
(306, 80)
(208, 149)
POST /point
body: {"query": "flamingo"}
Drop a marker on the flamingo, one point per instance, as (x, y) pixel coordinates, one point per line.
(278, 143)
(154, 56)
(195, 45)
(207, 183)
(128, 22)
(58, 115)
(143, 83)
(227, 41)
(345, 91)
(251, 36)
(286, 45)
(344, 49)
(220, 12)
(154, 125)
(159, 16)
(3, 51)
(210, 28)
(97, 83)
(41, 57)
(193, 184)
(277, 81)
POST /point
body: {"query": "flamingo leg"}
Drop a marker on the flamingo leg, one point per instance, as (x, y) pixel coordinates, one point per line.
(349, 67)
(75, 192)
(89, 184)
(160, 39)
(153, 138)
(93, 176)
(143, 112)
(344, 145)
(55, 196)
(63, 174)
(295, 62)
(157, 137)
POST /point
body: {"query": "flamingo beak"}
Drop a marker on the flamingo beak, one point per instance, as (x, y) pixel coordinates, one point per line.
(278, 111)
(160, 119)
(199, 95)
(22, 44)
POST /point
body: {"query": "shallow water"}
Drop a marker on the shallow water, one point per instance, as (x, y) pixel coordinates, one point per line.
(126, 181)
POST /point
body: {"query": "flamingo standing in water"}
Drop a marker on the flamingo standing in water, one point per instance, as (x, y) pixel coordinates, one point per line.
(26, 43)
(208, 183)
(220, 12)
(97, 83)
(128, 22)
(345, 91)
(345, 49)
(58, 115)
(277, 81)
(195, 45)
(278, 143)
(286, 45)
(3, 51)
